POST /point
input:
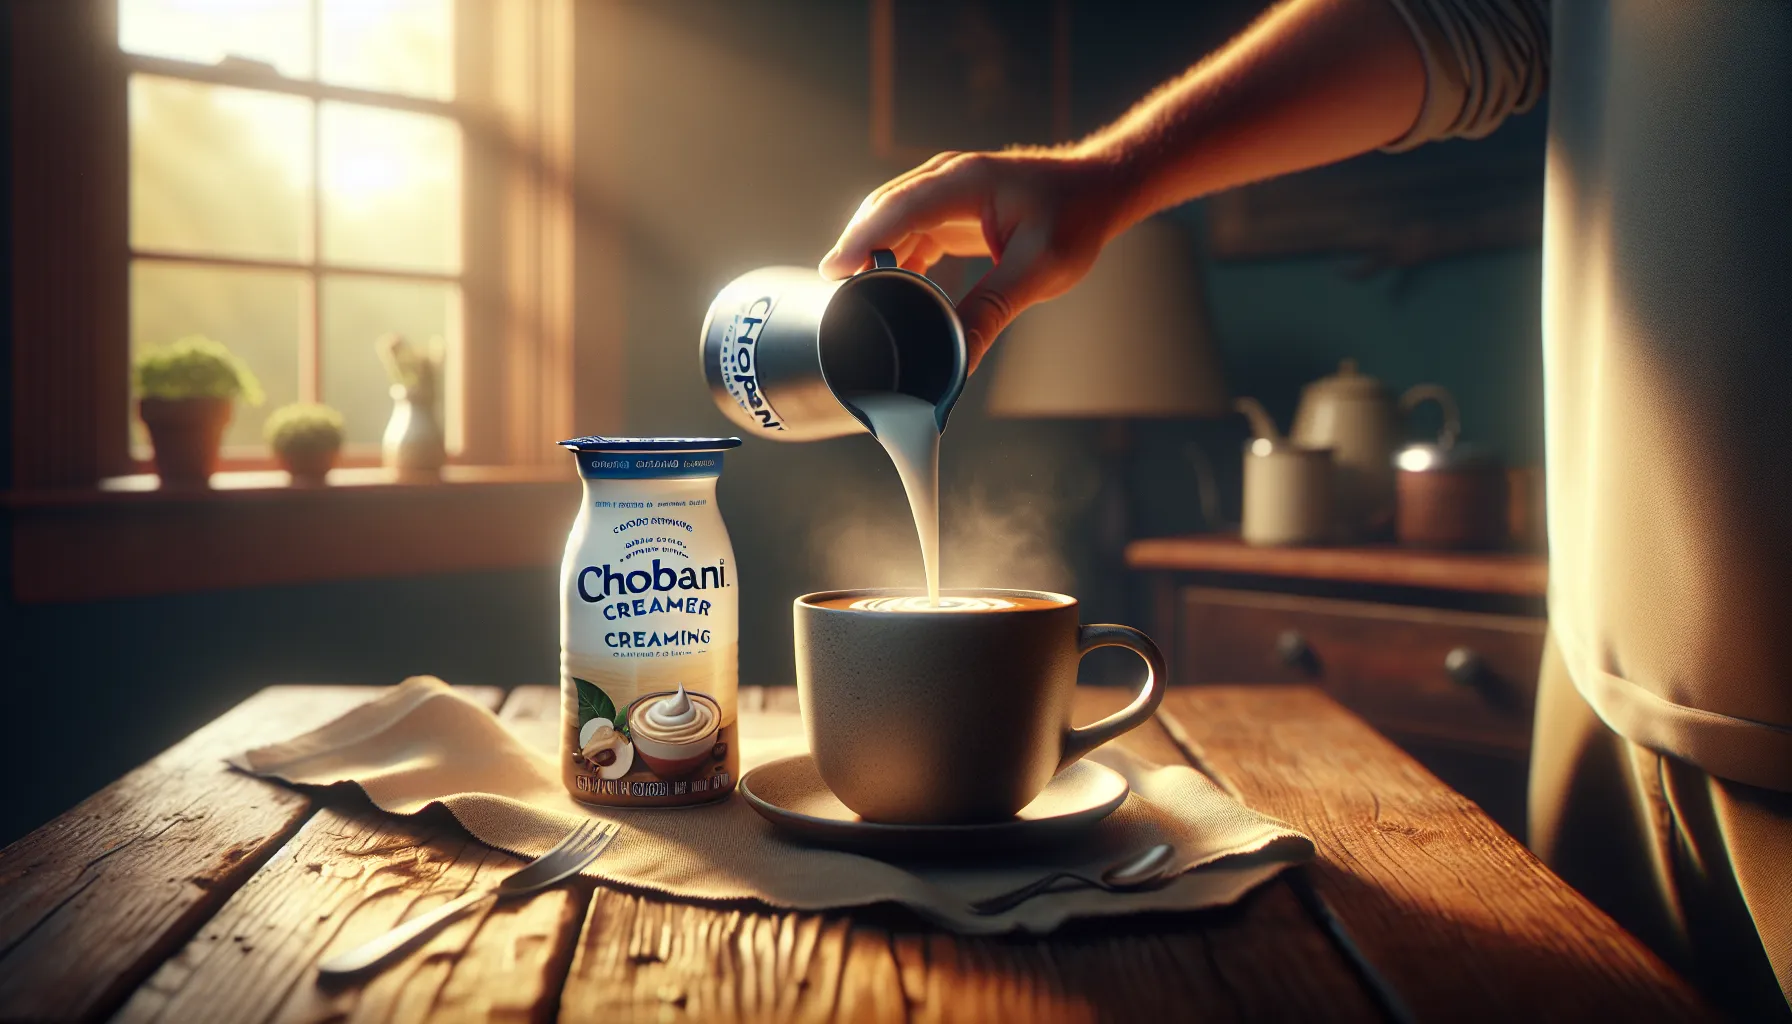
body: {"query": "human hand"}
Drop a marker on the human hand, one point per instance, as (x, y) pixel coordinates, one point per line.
(1043, 216)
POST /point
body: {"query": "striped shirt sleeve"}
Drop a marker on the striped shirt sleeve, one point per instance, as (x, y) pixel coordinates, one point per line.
(1484, 60)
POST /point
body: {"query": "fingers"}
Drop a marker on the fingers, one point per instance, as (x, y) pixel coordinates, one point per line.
(951, 191)
(921, 251)
(903, 249)
(933, 163)
(961, 238)
(925, 253)
(1024, 276)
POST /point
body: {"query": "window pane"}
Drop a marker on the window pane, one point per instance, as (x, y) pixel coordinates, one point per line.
(257, 313)
(276, 32)
(356, 312)
(391, 188)
(390, 45)
(219, 171)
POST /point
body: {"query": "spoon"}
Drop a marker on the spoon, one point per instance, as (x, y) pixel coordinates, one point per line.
(1139, 871)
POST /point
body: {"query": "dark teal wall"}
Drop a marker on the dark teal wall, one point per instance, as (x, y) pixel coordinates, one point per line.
(1472, 323)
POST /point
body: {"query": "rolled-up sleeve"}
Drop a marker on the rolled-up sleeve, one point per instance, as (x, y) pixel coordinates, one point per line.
(1484, 60)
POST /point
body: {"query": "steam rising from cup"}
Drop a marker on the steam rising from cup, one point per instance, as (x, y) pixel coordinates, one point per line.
(1008, 540)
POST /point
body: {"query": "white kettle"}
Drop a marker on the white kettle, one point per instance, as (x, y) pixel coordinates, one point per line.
(1356, 417)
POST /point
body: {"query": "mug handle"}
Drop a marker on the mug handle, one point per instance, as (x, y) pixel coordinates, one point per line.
(883, 259)
(1420, 393)
(1078, 742)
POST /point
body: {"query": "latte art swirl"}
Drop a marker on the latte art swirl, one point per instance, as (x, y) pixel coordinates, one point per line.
(920, 603)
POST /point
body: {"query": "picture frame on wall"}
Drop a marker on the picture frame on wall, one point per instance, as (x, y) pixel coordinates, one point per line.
(968, 75)
(987, 74)
(1394, 210)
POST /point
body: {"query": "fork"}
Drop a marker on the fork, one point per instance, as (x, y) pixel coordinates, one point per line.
(580, 847)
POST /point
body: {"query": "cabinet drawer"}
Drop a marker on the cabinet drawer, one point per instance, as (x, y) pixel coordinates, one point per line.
(1466, 679)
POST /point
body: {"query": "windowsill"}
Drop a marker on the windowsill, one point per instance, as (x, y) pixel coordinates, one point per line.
(130, 538)
(276, 485)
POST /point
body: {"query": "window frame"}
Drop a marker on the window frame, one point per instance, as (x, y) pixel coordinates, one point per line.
(264, 78)
(541, 297)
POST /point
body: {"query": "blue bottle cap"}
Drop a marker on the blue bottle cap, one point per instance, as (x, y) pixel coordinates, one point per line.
(595, 443)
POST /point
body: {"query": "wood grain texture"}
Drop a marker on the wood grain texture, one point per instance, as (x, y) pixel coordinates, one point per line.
(93, 901)
(350, 873)
(1452, 912)
(1523, 575)
(1455, 913)
(643, 957)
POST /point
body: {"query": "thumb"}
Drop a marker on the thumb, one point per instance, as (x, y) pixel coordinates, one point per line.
(1020, 278)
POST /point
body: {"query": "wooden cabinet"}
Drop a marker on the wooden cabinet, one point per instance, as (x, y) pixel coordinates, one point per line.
(1438, 651)
(1467, 679)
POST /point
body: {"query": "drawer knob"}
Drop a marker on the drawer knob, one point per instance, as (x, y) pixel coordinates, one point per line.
(1292, 650)
(1469, 668)
(1466, 666)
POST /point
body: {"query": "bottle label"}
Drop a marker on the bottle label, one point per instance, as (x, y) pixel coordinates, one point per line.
(658, 465)
(649, 635)
(740, 361)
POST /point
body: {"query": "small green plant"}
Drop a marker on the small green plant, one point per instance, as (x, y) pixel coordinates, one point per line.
(194, 367)
(303, 428)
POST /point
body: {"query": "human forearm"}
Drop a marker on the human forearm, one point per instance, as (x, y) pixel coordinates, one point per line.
(1310, 83)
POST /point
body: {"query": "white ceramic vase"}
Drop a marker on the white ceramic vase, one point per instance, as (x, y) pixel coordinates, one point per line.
(413, 444)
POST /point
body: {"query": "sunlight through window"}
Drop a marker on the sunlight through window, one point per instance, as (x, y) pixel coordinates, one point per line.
(296, 192)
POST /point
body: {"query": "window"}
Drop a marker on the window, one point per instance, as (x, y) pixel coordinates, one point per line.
(296, 184)
(295, 178)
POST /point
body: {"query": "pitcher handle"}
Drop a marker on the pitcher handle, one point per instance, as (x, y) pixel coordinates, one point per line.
(1078, 742)
(1418, 394)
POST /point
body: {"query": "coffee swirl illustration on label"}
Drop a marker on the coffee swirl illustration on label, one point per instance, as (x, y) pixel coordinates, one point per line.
(675, 719)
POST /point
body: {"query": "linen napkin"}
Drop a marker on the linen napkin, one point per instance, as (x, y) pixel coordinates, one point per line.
(422, 744)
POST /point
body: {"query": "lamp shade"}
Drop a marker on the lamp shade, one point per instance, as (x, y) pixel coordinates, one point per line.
(1130, 341)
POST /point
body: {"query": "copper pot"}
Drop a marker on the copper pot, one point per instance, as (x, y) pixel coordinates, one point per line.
(1525, 508)
(1450, 496)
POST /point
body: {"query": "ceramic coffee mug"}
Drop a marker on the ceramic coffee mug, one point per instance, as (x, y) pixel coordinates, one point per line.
(1288, 493)
(940, 717)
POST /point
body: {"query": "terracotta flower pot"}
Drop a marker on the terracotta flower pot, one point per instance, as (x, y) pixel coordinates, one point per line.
(308, 465)
(186, 434)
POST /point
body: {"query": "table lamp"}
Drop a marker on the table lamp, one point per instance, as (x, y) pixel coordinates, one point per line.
(1130, 341)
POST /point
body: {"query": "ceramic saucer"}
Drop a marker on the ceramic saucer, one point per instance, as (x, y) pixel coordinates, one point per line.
(790, 794)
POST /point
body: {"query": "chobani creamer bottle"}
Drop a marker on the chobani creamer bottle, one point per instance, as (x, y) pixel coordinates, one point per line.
(649, 626)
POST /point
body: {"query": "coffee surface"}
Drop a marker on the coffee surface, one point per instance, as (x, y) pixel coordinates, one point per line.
(965, 603)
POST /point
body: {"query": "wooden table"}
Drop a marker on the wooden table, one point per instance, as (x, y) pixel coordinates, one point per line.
(1486, 572)
(1438, 650)
(187, 892)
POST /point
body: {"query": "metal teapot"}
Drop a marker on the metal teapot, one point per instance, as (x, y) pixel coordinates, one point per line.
(1359, 420)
